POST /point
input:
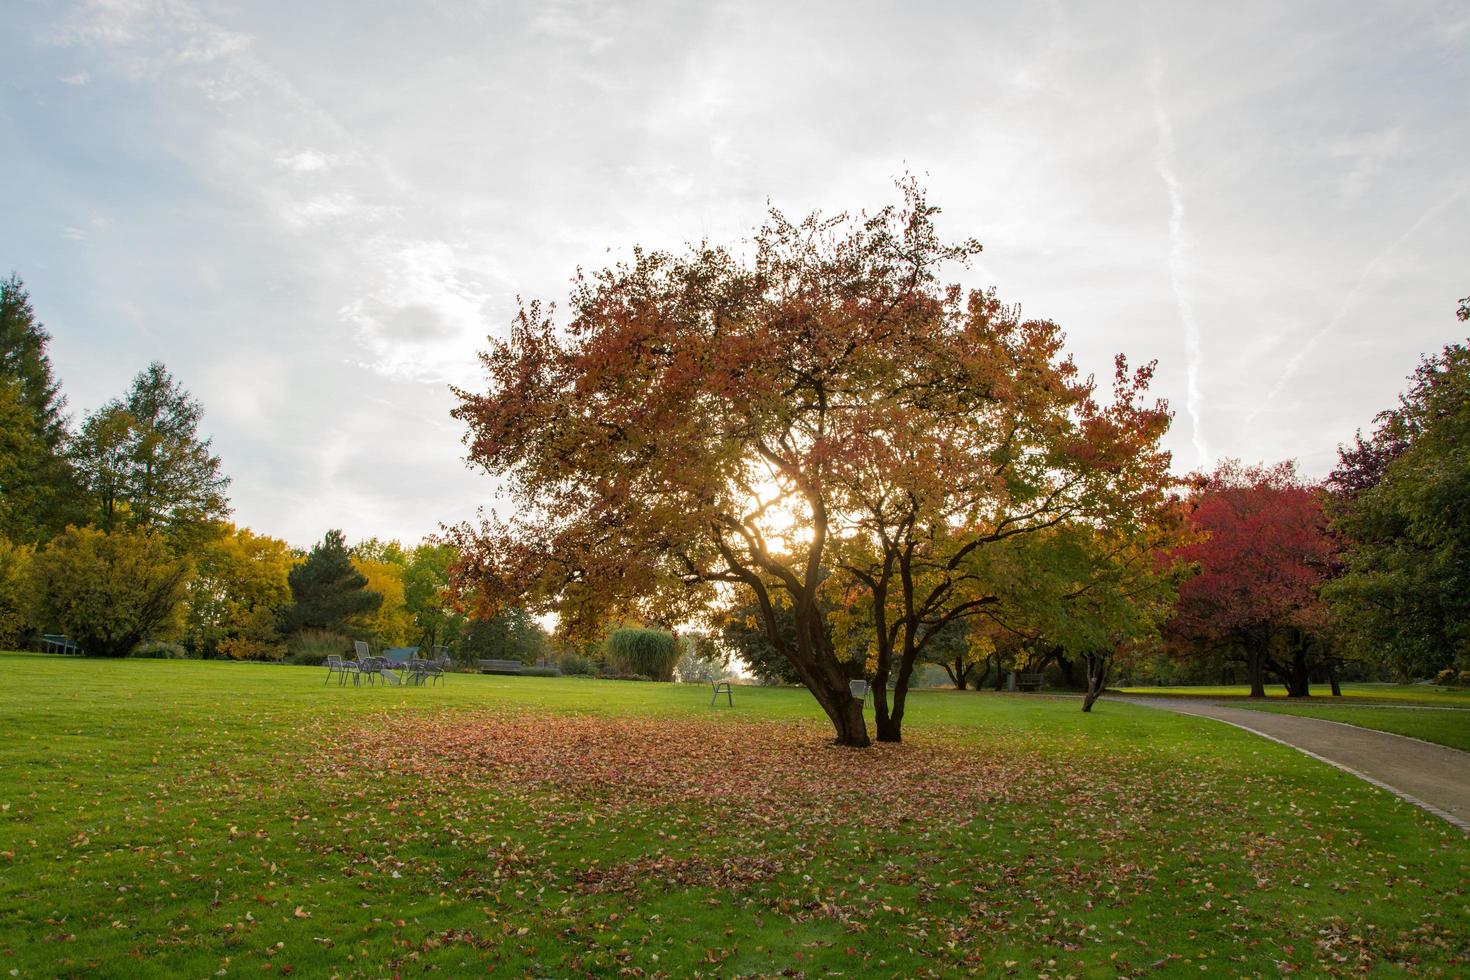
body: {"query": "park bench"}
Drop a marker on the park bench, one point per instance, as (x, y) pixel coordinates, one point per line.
(501, 666)
(721, 687)
(56, 643)
(1029, 682)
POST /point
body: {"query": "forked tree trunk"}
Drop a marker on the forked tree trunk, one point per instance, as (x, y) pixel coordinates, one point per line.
(1098, 668)
(1296, 674)
(962, 672)
(959, 673)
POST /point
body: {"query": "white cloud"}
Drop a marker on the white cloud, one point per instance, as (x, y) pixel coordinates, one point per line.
(1366, 157)
(308, 161)
(151, 37)
(428, 311)
(335, 207)
(341, 208)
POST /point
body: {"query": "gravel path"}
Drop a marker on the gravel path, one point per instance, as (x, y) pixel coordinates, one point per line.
(1434, 777)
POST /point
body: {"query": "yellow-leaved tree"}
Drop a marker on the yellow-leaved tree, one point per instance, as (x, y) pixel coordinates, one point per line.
(238, 595)
(391, 622)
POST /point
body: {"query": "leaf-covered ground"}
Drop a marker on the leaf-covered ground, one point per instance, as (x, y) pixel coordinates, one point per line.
(178, 818)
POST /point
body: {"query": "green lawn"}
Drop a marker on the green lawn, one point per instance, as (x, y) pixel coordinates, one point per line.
(166, 818)
(1427, 694)
(1447, 727)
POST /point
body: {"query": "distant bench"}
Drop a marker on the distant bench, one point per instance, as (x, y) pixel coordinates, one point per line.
(501, 666)
(1030, 682)
(56, 643)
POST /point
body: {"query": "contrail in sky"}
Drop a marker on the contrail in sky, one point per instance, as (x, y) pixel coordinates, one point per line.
(1349, 301)
(1178, 246)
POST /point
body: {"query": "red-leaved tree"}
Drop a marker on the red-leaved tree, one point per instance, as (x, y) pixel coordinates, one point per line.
(1263, 553)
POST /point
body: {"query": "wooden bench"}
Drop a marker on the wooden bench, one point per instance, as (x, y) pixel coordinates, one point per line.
(501, 666)
(1030, 682)
(56, 643)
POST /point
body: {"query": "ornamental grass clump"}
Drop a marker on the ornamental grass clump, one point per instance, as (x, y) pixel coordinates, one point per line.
(649, 653)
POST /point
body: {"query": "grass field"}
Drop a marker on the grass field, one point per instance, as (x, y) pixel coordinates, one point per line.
(1425, 694)
(162, 818)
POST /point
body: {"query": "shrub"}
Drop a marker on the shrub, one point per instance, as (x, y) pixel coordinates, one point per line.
(109, 591)
(572, 662)
(649, 653)
(311, 647)
(16, 597)
(251, 648)
(1445, 677)
(1465, 677)
(159, 650)
(540, 672)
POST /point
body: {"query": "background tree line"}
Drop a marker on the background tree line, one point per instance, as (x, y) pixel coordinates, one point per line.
(115, 532)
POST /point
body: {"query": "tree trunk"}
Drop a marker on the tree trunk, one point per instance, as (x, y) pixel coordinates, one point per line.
(843, 710)
(825, 677)
(882, 719)
(1097, 679)
(1297, 672)
(890, 724)
(1297, 684)
(1257, 673)
(852, 729)
(959, 673)
(878, 691)
(1332, 678)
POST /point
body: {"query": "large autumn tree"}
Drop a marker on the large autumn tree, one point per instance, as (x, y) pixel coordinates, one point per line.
(1263, 555)
(817, 418)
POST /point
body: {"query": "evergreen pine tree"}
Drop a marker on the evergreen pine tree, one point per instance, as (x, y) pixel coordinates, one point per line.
(327, 590)
(39, 494)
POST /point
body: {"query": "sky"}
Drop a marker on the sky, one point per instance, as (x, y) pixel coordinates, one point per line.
(315, 213)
